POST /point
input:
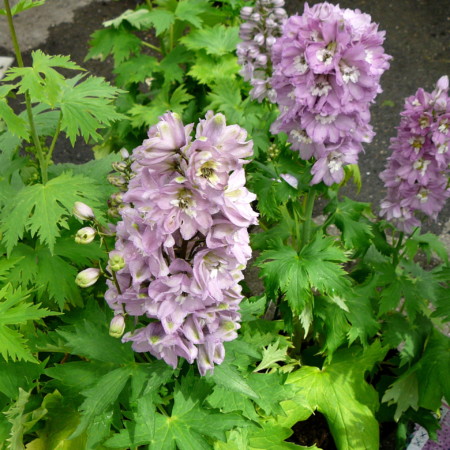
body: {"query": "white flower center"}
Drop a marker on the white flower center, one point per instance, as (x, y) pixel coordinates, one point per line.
(321, 88)
(335, 163)
(325, 120)
(443, 148)
(444, 126)
(421, 165)
(417, 143)
(300, 136)
(300, 64)
(423, 195)
(349, 73)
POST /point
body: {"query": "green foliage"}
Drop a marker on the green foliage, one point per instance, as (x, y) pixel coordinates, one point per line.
(218, 40)
(14, 310)
(23, 5)
(43, 209)
(341, 394)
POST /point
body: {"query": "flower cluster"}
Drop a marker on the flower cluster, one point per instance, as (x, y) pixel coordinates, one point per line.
(262, 26)
(326, 71)
(417, 171)
(184, 241)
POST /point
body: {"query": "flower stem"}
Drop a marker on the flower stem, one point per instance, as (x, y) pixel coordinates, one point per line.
(116, 283)
(55, 138)
(147, 44)
(307, 225)
(40, 155)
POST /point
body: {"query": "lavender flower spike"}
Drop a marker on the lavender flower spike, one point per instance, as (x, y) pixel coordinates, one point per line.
(417, 172)
(259, 32)
(326, 71)
(182, 241)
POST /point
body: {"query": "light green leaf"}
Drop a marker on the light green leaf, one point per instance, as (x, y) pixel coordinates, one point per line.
(340, 392)
(218, 40)
(272, 354)
(16, 124)
(42, 81)
(14, 310)
(161, 19)
(87, 106)
(137, 18)
(23, 5)
(44, 209)
(190, 11)
(208, 69)
(119, 42)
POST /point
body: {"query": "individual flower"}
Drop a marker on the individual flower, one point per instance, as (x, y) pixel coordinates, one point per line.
(259, 32)
(417, 172)
(182, 241)
(327, 66)
(117, 326)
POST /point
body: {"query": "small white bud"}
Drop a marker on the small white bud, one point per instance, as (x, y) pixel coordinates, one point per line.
(124, 153)
(87, 277)
(85, 235)
(82, 211)
(117, 326)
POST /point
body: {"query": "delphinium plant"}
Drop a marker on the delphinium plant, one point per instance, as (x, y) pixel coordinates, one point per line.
(104, 312)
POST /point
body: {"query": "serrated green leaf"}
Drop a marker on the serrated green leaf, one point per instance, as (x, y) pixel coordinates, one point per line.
(218, 40)
(17, 417)
(340, 392)
(100, 397)
(161, 19)
(208, 69)
(136, 70)
(44, 209)
(14, 310)
(226, 376)
(41, 80)
(91, 341)
(136, 18)
(190, 11)
(87, 105)
(120, 42)
(271, 355)
(18, 375)
(16, 124)
(227, 401)
(23, 5)
(173, 64)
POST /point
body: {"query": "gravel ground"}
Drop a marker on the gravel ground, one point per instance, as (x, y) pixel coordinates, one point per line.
(417, 36)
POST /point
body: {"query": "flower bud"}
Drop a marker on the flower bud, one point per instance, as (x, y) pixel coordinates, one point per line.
(280, 13)
(255, 17)
(124, 153)
(116, 180)
(116, 261)
(120, 166)
(261, 60)
(117, 326)
(277, 3)
(259, 39)
(82, 211)
(246, 12)
(87, 277)
(270, 40)
(85, 235)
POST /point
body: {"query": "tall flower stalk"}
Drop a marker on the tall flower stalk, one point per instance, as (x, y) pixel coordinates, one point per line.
(326, 70)
(183, 240)
(417, 172)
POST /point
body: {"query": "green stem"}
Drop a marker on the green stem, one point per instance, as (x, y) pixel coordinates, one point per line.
(55, 138)
(116, 283)
(149, 4)
(171, 38)
(157, 49)
(307, 225)
(397, 249)
(40, 155)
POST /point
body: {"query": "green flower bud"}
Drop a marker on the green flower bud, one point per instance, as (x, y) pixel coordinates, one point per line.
(87, 277)
(85, 235)
(116, 262)
(117, 326)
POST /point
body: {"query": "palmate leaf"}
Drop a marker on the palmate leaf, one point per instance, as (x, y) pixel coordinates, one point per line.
(41, 80)
(317, 266)
(118, 42)
(425, 383)
(139, 19)
(136, 70)
(16, 125)
(87, 106)
(218, 40)
(209, 69)
(14, 310)
(44, 209)
(187, 428)
(191, 10)
(341, 394)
